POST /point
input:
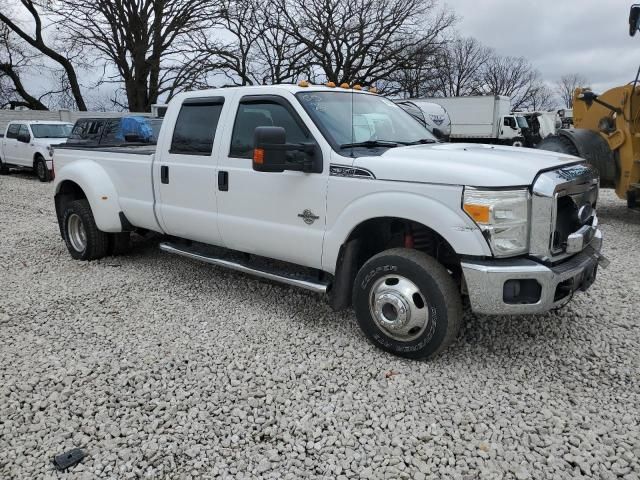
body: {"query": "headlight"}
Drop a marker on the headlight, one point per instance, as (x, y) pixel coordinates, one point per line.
(503, 217)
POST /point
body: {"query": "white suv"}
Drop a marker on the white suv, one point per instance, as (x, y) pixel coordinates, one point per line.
(29, 144)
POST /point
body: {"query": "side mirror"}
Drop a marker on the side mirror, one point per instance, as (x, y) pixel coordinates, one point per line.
(24, 138)
(439, 134)
(269, 154)
(634, 18)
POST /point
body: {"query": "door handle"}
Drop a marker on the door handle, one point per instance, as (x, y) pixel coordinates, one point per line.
(223, 181)
(164, 174)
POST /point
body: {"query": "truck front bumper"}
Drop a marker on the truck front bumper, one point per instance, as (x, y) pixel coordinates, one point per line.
(522, 286)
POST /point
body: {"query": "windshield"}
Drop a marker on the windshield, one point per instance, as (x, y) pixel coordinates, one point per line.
(346, 118)
(51, 131)
(522, 122)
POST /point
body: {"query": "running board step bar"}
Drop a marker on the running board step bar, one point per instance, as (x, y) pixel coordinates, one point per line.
(308, 284)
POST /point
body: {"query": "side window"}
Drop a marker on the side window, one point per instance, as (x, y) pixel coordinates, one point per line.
(95, 127)
(78, 129)
(195, 127)
(266, 114)
(24, 131)
(12, 132)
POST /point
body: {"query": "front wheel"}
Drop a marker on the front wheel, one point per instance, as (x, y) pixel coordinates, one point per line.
(4, 169)
(41, 169)
(407, 303)
(83, 238)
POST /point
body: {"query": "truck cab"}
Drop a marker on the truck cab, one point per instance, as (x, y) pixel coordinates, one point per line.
(340, 191)
(29, 145)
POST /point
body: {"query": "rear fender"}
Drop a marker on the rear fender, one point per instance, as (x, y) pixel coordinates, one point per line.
(99, 190)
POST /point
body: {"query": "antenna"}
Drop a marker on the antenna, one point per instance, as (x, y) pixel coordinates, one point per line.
(352, 135)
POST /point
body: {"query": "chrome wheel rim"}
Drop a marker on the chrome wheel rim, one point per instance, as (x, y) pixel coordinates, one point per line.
(41, 169)
(76, 232)
(398, 307)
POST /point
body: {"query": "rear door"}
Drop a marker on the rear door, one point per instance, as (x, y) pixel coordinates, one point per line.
(185, 171)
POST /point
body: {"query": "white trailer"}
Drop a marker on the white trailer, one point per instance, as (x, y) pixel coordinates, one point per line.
(486, 119)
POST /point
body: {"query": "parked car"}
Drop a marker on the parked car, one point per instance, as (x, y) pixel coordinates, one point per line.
(433, 116)
(377, 214)
(29, 145)
(116, 130)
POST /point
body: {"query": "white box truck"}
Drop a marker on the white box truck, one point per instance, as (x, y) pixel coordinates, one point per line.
(485, 119)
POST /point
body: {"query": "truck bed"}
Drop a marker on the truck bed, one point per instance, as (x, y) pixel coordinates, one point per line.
(125, 168)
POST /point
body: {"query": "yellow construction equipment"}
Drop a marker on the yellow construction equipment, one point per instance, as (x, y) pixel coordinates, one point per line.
(607, 132)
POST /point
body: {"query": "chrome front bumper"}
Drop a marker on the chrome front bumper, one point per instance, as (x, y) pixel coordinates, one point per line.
(485, 281)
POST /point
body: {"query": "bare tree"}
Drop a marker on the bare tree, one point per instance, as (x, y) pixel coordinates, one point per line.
(567, 85)
(37, 41)
(539, 98)
(460, 67)
(15, 61)
(248, 47)
(510, 76)
(417, 77)
(361, 41)
(146, 41)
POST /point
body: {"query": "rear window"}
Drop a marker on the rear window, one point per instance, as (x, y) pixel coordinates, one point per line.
(195, 128)
(12, 131)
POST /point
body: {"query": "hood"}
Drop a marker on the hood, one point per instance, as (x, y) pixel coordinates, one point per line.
(463, 164)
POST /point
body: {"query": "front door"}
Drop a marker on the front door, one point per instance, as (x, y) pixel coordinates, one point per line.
(276, 215)
(10, 144)
(185, 172)
(23, 150)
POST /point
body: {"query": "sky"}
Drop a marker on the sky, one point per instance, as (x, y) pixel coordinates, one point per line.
(558, 37)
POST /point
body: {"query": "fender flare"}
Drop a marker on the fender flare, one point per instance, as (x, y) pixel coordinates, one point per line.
(456, 228)
(98, 189)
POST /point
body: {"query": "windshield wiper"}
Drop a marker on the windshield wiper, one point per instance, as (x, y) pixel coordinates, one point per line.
(422, 141)
(370, 144)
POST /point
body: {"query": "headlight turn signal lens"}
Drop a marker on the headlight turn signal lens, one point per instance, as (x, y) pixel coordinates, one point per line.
(479, 213)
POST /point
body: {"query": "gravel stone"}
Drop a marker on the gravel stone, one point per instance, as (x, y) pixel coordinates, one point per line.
(160, 367)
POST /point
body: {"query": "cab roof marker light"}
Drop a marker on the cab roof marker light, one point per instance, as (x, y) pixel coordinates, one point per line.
(330, 84)
(344, 85)
(303, 83)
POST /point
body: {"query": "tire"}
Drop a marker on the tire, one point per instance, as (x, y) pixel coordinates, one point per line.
(77, 218)
(558, 143)
(4, 169)
(518, 143)
(382, 293)
(119, 243)
(40, 167)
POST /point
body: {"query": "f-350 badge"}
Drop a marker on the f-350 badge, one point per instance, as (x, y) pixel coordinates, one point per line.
(308, 217)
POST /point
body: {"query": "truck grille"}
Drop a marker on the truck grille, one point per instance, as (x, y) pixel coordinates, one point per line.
(563, 201)
(572, 212)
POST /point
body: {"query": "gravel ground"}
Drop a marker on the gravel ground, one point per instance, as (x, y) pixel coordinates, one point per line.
(161, 367)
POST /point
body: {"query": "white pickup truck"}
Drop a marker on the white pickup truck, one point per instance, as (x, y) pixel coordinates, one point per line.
(340, 191)
(29, 145)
